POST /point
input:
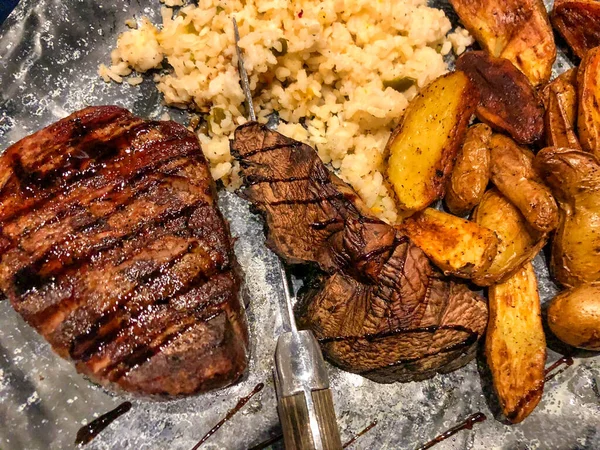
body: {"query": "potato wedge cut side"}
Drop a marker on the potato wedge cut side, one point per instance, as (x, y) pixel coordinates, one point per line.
(518, 241)
(457, 246)
(518, 30)
(574, 316)
(574, 177)
(560, 100)
(578, 21)
(423, 147)
(515, 345)
(588, 117)
(507, 100)
(471, 173)
(512, 172)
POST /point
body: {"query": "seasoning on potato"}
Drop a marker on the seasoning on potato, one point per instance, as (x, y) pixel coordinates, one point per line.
(578, 21)
(512, 172)
(471, 173)
(518, 242)
(515, 344)
(574, 177)
(574, 316)
(560, 100)
(457, 246)
(423, 147)
(588, 116)
(508, 102)
(518, 30)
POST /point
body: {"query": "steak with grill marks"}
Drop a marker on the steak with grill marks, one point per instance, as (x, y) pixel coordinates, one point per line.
(379, 308)
(114, 250)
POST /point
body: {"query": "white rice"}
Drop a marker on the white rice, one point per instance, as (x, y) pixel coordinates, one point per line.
(339, 53)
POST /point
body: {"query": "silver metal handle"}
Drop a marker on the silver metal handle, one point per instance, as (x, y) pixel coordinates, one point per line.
(305, 402)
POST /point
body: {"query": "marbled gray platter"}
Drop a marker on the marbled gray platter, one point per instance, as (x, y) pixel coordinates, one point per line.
(49, 52)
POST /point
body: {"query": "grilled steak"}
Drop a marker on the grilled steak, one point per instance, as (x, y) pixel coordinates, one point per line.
(379, 309)
(114, 250)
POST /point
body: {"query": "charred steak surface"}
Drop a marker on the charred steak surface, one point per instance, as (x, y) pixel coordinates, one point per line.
(114, 249)
(380, 309)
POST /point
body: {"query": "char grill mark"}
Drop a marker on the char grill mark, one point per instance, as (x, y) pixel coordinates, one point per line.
(116, 253)
(98, 196)
(379, 308)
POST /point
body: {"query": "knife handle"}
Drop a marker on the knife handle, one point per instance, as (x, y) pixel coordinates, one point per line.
(295, 422)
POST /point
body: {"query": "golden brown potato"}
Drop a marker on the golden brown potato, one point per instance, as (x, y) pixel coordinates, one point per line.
(423, 147)
(515, 345)
(574, 316)
(560, 99)
(574, 178)
(579, 23)
(588, 115)
(518, 241)
(471, 172)
(458, 247)
(517, 30)
(507, 100)
(512, 172)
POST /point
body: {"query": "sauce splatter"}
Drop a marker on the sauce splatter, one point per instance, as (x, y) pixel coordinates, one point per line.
(240, 404)
(268, 442)
(92, 429)
(565, 360)
(466, 425)
(358, 435)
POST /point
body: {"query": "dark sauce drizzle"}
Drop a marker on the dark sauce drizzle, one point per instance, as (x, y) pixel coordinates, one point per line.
(240, 404)
(268, 442)
(361, 433)
(466, 425)
(565, 360)
(92, 429)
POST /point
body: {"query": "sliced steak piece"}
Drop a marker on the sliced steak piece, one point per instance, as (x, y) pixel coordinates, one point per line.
(113, 248)
(379, 308)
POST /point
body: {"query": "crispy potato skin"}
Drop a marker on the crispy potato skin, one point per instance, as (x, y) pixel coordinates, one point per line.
(560, 100)
(579, 23)
(515, 345)
(588, 116)
(574, 316)
(457, 246)
(518, 241)
(423, 147)
(574, 177)
(518, 30)
(471, 173)
(513, 174)
(507, 100)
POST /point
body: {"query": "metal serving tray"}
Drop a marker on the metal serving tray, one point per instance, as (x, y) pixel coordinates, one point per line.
(49, 53)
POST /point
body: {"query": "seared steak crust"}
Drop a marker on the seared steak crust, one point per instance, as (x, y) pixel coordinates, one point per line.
(114, 250)
(380, 309)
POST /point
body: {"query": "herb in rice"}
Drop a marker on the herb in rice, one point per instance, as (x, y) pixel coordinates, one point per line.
(346, 69)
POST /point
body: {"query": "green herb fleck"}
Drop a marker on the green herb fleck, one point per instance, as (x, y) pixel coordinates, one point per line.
(399, 84)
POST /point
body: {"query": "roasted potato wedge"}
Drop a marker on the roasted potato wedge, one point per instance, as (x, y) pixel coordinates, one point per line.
(517, 30)
(574, 316)
(423, 147)
(471, 173)
(518, 241)
(560, 100)
(579, 23)
(574, 178)
(457, 246)
(515, 345)
(588, 115)
(512, 172)
(507, 100)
